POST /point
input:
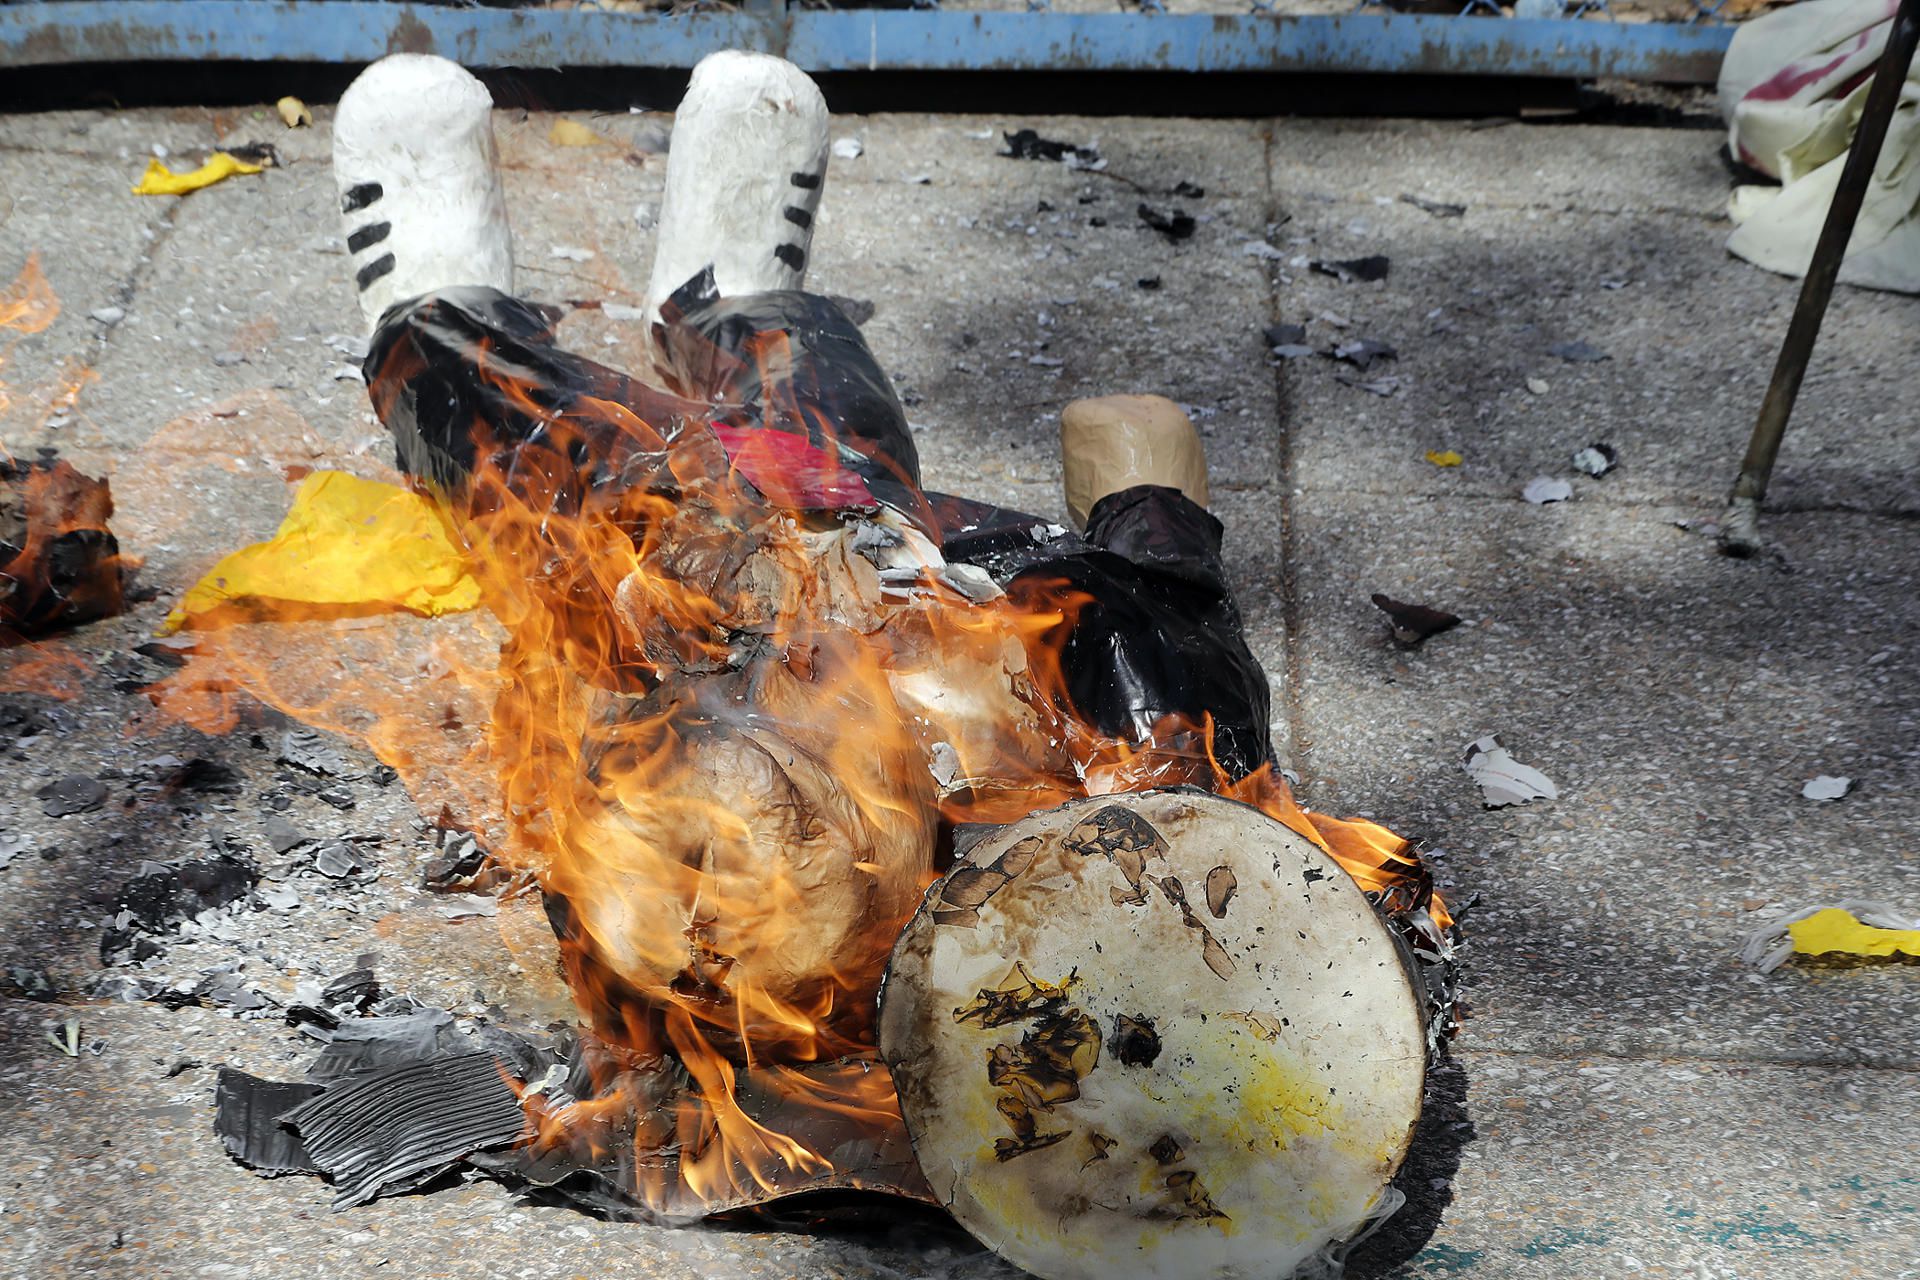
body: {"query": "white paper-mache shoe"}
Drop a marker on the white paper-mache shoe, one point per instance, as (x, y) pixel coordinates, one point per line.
(744, 175)
(419, 182)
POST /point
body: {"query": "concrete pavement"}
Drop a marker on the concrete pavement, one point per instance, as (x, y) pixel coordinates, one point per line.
(1632, 1100)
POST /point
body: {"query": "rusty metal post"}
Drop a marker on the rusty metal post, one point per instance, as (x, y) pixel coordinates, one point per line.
(1740, 527)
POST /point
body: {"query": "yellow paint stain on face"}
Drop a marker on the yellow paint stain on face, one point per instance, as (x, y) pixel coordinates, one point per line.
(1044, 1210)
(1288, 1101)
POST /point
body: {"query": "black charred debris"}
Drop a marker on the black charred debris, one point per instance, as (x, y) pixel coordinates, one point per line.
(59, 563)
(1025, 144)
(401, 1097)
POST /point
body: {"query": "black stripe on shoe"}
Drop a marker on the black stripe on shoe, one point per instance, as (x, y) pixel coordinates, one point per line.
(380, 266)
(793, 255)
(373, 233)
(799, 217)
(805, 181)
(360, 195)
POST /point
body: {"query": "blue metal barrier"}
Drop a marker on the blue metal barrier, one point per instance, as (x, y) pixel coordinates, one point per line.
(353, 31)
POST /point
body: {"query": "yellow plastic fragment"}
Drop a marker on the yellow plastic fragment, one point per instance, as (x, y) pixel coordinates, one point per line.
(344, 542)
(295, 112)
(571, 133)
(162, 181)
(1447, 459)
(1834, 930)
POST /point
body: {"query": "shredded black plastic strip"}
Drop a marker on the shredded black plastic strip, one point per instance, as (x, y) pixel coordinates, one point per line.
(246, 1114)
(371, 1133)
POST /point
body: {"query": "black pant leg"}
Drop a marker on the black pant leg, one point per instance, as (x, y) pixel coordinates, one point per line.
(1152, 631)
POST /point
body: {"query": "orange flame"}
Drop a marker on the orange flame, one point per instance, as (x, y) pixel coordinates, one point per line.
(723, 740)
(46, 670)
(28, 305)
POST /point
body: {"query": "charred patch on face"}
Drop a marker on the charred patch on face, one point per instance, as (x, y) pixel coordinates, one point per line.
(1124, 838)
(1019, 996)
(1210, 949)
(1038, 1074)
(968, 888)
(1265, 1026)
(1189, 1199)
(1135, 1042)
(1222, 884)
(1043, 1070)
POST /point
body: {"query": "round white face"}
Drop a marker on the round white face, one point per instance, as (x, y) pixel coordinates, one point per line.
(1153, 1035)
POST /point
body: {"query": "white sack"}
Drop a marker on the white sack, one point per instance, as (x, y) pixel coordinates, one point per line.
(1792, 88)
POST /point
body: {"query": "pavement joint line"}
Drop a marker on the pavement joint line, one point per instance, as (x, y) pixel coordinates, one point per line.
(123, 294)
(1899, 515)
(1456, 1050)
(1526, 206)
(1291, 683)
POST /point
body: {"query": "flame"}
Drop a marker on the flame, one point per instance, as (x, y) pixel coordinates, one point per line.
(28, 305)
(46, 670)
(722, 733)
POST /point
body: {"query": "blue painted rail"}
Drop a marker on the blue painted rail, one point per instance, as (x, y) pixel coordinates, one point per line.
(354, 31)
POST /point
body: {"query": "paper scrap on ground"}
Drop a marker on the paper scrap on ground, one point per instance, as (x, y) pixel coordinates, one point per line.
(571, 133)
(1826, 787)
(1413, 623)
(294, 112)
(1854, 926)
(1578, 352)
(1502, 779)
(1544, 489)
(162, 181)
(1596, 460)
(1833, 931)
(345, 542)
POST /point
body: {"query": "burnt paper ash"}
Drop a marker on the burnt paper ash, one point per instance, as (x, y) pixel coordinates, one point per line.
(162, 897)
(75, 793)
(463, 865)
(1437, 208)
(1347, 270)
(1177, 225)
(1361, 353)
(179, 778)
(313, 752)
(1026, 144)
(1414, 623)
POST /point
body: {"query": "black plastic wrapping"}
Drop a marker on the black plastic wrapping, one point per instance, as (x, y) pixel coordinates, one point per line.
(1151, 632)
(793, 361)
(468, 374)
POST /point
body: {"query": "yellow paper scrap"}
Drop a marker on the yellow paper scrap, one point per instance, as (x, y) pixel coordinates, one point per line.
(571, 133)
(162, 181)
(1835, 930)
(1447, 459)
(344, 542)
(294, 112)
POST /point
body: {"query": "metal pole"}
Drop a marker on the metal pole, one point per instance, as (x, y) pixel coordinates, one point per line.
(1740, 527)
